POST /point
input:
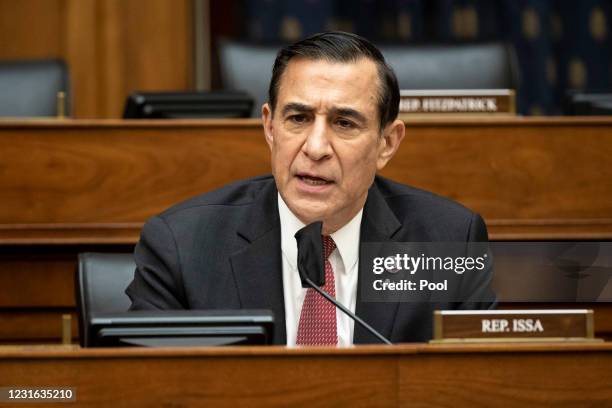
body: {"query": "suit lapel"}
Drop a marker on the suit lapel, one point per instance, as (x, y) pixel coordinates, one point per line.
(257, 266)
(378, 224)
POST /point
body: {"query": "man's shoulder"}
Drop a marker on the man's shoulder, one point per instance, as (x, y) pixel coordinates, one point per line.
(233, 196)
(394, 191)
(414, 204)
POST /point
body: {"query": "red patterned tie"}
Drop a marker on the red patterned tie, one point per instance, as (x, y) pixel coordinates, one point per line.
(317, 325)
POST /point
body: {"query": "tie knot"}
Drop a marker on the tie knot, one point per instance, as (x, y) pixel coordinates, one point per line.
(328, 246)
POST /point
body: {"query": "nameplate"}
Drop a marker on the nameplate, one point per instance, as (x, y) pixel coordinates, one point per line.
(513, 325)
(458, 102)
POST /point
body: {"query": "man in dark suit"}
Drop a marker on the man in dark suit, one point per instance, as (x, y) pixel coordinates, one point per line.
(331, 124)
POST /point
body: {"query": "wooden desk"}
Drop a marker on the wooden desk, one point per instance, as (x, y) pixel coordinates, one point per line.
(73, 186)
(419, 375)
(95, 182)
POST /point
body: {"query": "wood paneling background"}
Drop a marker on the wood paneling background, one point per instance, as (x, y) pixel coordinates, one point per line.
(546, 178)
(112, 47)
(77, 186)
(32, 29)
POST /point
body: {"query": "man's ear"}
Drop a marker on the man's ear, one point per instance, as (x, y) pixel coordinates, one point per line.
(266, 118)
(390, 142)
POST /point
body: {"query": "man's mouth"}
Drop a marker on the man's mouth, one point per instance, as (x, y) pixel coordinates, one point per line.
(313, 180)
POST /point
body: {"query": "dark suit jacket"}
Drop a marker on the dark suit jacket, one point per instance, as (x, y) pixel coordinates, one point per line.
(222, 250)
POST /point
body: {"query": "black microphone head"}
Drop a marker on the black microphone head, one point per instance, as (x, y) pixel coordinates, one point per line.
(310, 258)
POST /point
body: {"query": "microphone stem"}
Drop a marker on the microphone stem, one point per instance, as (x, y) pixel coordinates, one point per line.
(347, 312)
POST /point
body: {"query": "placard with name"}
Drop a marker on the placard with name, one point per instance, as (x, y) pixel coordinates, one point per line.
(457, 102)
(507, 325)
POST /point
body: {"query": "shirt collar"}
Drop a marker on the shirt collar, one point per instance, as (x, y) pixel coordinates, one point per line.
(346, 238)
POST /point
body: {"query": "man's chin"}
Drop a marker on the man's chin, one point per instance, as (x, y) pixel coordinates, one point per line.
(309, 211)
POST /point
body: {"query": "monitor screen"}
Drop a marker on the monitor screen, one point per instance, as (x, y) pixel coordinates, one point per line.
(173, 328)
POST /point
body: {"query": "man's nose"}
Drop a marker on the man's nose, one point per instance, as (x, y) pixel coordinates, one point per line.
(317, 144)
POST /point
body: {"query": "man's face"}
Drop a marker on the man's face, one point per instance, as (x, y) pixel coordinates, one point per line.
(325, 138)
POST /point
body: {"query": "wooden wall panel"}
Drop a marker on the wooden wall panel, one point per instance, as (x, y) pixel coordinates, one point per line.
(50, 278)
(82, 55)
(412, 375)
(39, 326)
(520, 169)
(112, 47)
(529, 178)
(505, 379)
(117, 174)
(75, 186)
(141, 46)
(32, 28)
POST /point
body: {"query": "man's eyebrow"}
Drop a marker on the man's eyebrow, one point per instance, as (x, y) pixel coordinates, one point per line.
(296, 107)
(338, 111)
(351, 113)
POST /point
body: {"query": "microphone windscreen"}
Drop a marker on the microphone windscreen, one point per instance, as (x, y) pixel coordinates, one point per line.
(310, 258)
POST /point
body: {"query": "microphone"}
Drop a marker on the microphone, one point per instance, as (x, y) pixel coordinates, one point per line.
(311, 267)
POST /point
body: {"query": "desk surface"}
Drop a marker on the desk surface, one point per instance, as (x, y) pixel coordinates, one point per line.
(73, 351)
(551, 374)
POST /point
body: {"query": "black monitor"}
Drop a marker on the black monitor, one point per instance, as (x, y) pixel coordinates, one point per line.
(176, 328)
(602, 108)
(188, 105)
(587, 103)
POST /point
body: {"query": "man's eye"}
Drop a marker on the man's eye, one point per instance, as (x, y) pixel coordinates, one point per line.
(298, 118)
(345, 124)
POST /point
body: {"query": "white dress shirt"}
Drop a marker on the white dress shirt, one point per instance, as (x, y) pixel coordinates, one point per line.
(344, 261)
